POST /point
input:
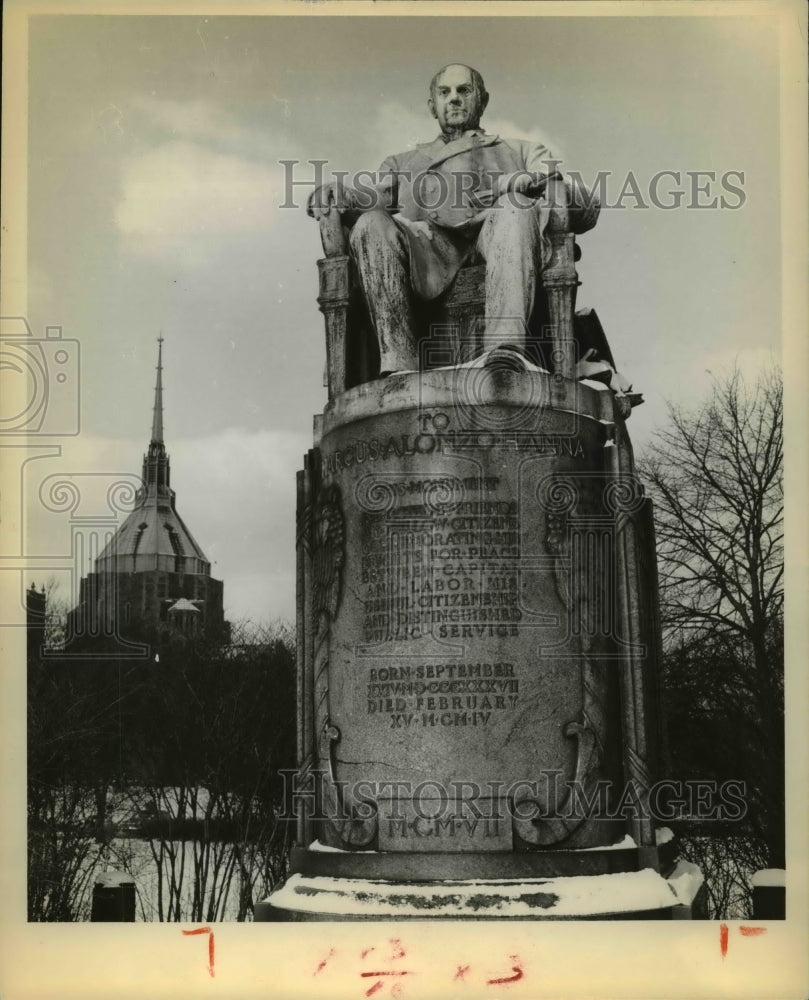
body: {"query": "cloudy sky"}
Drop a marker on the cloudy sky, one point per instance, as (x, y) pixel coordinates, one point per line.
(153, 206)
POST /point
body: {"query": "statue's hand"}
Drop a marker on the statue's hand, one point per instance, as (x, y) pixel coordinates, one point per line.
(328, 196)
(524, 182)
(320, 201)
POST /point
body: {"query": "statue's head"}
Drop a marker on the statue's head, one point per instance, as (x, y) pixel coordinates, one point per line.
(458, 98)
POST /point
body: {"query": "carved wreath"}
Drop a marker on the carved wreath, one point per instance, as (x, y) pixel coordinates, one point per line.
(328, 552)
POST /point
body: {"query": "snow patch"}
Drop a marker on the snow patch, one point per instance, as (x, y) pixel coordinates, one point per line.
(112, 880)
(770, 877)
(328, 849)
(685, 881)
(619, 846)
(574, 896)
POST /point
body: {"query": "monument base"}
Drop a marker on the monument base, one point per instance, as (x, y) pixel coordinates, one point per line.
(477, 637)
(628, 895)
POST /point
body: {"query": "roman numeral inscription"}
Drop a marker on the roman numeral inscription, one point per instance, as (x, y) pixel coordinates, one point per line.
(452, 694)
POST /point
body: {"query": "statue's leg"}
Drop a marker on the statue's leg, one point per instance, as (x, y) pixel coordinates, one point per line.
(510, 241)
(380, 251)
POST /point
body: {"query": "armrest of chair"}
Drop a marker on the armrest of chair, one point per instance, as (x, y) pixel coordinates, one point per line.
(558, 198)
(574, 208)
(333, 234)
(559, 276)
(334, 273)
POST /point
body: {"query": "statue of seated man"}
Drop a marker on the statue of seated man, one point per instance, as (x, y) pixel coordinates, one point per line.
(432, 207)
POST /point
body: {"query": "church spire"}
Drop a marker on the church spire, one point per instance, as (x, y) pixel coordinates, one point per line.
(157, 414)
(156, 472)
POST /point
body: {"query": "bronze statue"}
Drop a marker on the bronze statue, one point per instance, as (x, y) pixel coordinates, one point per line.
(466, 193)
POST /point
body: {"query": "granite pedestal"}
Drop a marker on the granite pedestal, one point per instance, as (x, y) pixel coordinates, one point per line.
(477, 654)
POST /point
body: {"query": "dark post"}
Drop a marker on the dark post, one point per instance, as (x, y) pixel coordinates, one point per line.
(113, 899)
(769, 894)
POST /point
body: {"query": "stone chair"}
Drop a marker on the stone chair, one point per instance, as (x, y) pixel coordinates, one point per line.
(558, 336)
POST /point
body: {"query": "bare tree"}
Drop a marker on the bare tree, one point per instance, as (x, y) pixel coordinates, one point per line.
(56, 609)
(213, 727)
(716, 478)
(715, 474)
(169, 770)
(67, 726)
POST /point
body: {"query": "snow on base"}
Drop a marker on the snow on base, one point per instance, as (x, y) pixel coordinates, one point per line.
(771, 877)
(580, 895)
(685, 881)
(112, 880)
(663, 835)
(619, 846)
(627, 842)
(328, 849)
(593, 383)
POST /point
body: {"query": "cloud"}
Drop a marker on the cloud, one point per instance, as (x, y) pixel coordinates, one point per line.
(158, 121)
(180, 190)
(398, 128)
(199, 209)
(199, 181)
(511, 130)
(194, 119)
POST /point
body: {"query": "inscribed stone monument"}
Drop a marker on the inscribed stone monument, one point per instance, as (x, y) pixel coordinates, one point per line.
(477, 598)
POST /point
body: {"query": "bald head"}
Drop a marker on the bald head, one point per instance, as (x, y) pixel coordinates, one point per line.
(477, 79)
(457, 99)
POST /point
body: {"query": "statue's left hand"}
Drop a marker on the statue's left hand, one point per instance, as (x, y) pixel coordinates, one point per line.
(328, 196)
(524, 182)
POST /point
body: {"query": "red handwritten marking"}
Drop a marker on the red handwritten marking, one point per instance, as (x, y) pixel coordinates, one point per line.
(752, 931)
(366, 951)
(322, 965)
(211, 953)
(462, 971)
(518, 974)
(399, 951)
(723, 939)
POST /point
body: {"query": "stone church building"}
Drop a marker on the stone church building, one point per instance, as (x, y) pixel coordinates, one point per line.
(152, 581)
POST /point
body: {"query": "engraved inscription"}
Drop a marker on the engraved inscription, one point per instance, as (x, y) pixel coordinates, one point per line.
(449, 442)
(447, 574)
(457, 827)
(452, 694)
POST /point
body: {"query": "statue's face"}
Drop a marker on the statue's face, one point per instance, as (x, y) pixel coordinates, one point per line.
(455, 101)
